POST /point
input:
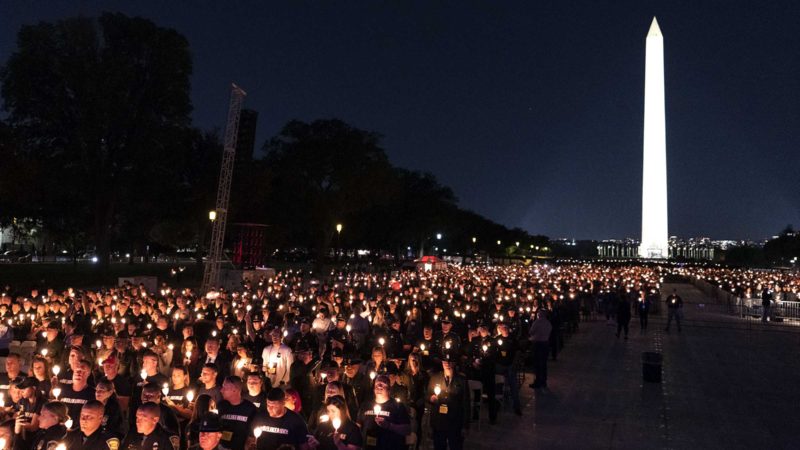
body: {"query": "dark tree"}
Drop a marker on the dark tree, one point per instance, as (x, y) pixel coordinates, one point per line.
(321, 173)
(102, 106)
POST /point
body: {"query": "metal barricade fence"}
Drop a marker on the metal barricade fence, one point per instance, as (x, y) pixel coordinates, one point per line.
(741, 306)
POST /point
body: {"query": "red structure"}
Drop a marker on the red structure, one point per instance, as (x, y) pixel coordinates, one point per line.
(249, 245)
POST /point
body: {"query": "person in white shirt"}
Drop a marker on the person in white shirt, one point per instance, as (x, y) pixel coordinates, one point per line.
(277, 359)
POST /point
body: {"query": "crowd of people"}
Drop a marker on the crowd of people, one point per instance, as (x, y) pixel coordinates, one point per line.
(346, 361)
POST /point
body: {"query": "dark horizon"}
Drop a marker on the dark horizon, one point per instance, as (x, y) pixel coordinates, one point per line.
(532, 114)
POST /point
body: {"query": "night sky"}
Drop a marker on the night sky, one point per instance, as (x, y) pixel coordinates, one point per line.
(531, 111)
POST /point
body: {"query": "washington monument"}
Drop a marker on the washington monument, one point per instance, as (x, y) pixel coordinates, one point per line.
(655, 239)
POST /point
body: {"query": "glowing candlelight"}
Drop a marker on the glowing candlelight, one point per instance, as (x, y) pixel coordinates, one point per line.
(165, 389)
(98, 343)
(44, 352)
(372, 375)
(143, 374)
(56, 369)
(377, 409)
(62, 446)
(381, 341)
(437, 390)
(336, 423)
(257, 432)
(56, 392)
(190, 396)
(324, 418)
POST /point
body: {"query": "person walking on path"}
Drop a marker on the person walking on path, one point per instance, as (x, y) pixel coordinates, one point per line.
(643, 306)
(675, 308)
(623, 315)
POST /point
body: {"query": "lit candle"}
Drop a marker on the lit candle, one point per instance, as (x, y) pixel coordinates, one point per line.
(143, 374)
(381, 341)
(372, 375)
(257, 432)
(56, 392)
(323, 418)
(56, 370)
(336, 423)
(377, 409)
(62, 446)
(165, 389)
(437, 390)
(190, 396)
(44, 352)
(98, 343)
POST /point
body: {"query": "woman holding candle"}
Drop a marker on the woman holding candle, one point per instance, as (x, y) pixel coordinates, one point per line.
(40, 370)
(335, 429)
(203, 407)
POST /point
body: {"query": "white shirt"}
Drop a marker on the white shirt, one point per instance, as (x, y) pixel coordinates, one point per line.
(281, 359)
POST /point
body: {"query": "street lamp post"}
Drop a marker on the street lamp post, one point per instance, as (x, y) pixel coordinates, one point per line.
(338, 241)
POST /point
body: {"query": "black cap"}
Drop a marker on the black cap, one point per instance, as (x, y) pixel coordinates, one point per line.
(28, 382)
(211, 424)
(302, 347)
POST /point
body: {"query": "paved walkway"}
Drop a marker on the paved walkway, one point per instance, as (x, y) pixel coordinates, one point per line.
(727, 383)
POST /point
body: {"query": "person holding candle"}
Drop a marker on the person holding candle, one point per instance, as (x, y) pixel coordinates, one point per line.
(203, 408)
(448, 396)
(53, 344)
(279, 426)
(384, 421)
(40, 371)
(177, 389)
(337, 431)
(90, 434)
(77, 393)
(30, 405)
(277, 359)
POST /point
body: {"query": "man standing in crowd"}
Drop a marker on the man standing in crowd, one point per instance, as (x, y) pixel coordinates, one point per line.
(384, 421)
(448, 399)
(236, 414)
(540, 336)
(674, 309)
(279, 426)
(148, 434)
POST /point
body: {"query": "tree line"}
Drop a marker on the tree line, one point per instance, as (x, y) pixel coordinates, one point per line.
(99, 152)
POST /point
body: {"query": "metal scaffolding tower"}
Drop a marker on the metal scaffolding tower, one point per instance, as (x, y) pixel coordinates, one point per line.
(215, 255)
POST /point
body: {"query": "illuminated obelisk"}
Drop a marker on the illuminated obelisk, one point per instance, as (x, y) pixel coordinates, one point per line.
(655, 240)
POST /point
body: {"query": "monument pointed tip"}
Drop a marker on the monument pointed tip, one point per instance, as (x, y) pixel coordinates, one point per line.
(655, 31)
